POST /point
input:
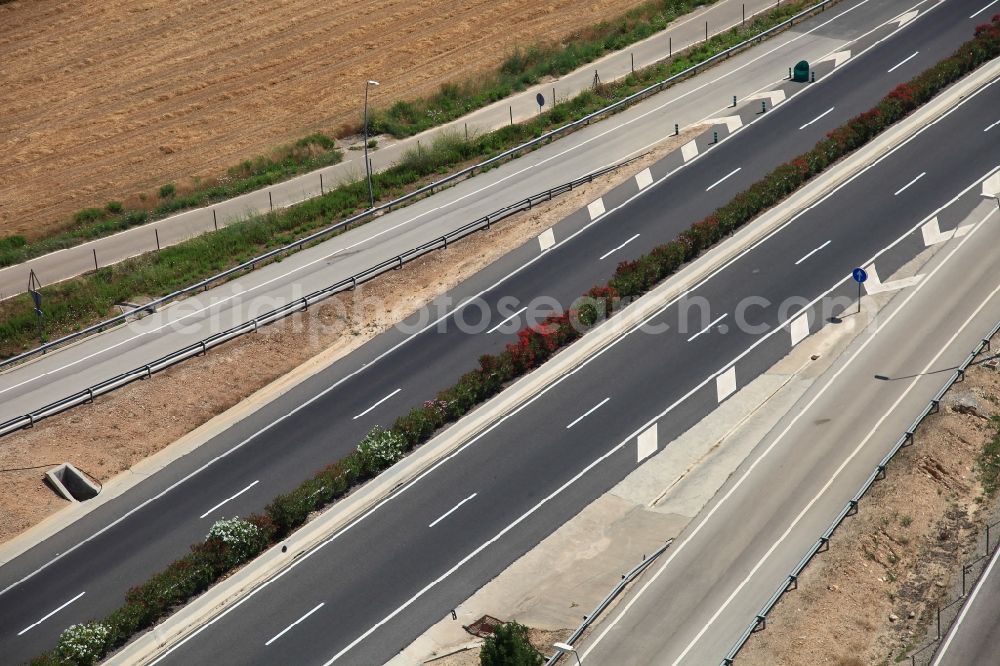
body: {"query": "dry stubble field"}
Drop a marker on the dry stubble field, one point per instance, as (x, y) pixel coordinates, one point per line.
(101, 99)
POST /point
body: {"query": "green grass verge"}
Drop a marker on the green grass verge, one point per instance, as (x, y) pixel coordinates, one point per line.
(82, 301)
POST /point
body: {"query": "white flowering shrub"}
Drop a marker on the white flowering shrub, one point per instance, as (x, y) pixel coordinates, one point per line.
(83, 644)
(380, 448)
(242, 537)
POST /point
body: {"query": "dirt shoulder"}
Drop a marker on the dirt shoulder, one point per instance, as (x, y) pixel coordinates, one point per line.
(872, 596)
(113, 434)
(104, 99)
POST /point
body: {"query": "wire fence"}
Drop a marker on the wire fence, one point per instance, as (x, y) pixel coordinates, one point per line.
(429, 189)
(759, 622)
(300, 304)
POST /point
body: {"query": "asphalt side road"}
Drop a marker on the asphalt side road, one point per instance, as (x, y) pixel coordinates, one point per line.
(28, 387)
(974, 638)
(378, 583)
(124, 541)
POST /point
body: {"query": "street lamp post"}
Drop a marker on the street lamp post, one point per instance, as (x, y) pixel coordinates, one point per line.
(564, 648)
(368, 168)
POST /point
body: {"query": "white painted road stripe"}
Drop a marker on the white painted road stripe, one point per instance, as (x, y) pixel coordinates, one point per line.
(731, 173)
(377, 403)
(902, 62)
(725, 384)
(288, 628)
(974, 16)
(904, 187)
(799, 328)
(229, 499)
(452, 510)
(705, 330)
(989, 127)
(646, 444)
(494, 329)
(612, 251)
(817, 118)
(588, 413)
(903, 19)
(32, 626)
(809, 254)
(644, 179)
(596, 209)
(546, 239)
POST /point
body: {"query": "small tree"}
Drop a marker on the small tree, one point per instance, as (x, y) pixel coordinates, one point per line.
(380, 449)
(83, 644)
(244, 538)
(509, 646)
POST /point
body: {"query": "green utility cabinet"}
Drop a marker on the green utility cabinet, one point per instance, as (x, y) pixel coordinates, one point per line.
(801, 72)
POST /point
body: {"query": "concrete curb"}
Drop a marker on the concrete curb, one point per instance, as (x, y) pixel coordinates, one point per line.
(274, 562)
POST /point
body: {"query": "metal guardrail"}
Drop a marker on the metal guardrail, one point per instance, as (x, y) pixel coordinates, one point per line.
(297, 305)
(823, 543)
(600, 608)
(343, 225)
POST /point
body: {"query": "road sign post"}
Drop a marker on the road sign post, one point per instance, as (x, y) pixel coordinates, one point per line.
(859, 275)
(33, 288)
(540, 98)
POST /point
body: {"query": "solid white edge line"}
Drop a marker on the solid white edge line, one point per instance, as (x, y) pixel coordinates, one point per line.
(386, 353)
(731, 173)
(902, 62)
(707, 328)
(612, 251)
(452, 510)
(289, 627)
(588, 413)
(817, 117)
(377, 404)
(495, 328)
(984, 9)
(32, 626)
(905, 187)
(229, 499)
(812, 252)
(965, 609)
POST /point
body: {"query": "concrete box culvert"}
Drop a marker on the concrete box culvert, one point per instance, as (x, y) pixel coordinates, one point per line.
(71, 483)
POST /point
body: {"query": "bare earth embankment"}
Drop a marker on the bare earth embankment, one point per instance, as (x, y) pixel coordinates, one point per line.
(103, 99)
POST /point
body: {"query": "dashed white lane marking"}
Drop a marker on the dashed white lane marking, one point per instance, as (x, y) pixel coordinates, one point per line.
(689, 151)
(707, 328)
(732, 123)
(613, 250)
(992, 125)
(588, 413)
(902, 62)
(811, 253)
(596, 209)
(983, 9)
(905, 187)
(377, 404)
(731, 173)
(874, 285)
(906, 18)
(838, 58)
(799, 328)
(452, 510)
(495, 328)
(830, 110)
(646, 443)
(289, 627)
(644, 179)
(725, 384)
(229, 499)
(32, 626)
(546, 239)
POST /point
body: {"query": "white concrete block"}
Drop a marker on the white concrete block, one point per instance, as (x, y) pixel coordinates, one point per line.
(800, 328)
(596, 209)
(546, 239)
(644, 179)
(689, 151)
(647, 443)
(991, 186)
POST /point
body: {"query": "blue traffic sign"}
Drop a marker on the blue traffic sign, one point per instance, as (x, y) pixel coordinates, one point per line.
(860, 275)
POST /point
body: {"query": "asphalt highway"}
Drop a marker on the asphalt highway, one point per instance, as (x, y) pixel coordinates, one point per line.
(375, 585)
(975, 636)
(269, 452)
(74, 368)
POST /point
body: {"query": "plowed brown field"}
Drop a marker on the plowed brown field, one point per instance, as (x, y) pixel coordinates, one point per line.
(101, 99)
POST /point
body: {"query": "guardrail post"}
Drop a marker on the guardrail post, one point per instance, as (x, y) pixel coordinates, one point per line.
(961, 375)
(90, 400)
(31, 420)
(761, 624)
(305, 303)
(204, 347)
(881, 472)
(935, 406)
(400, 259)
(909, 438)
(793, 583)
(149, 373)
(824, 544)
(854, 508)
